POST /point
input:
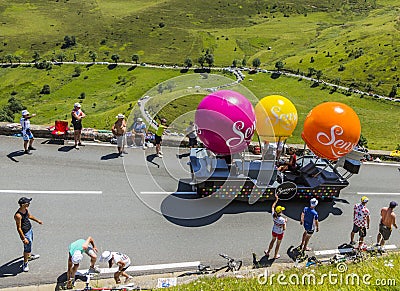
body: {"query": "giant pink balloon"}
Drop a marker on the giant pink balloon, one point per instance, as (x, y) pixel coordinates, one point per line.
(225, 121)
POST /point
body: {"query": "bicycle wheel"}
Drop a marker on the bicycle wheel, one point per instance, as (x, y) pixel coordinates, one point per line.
(237, 265)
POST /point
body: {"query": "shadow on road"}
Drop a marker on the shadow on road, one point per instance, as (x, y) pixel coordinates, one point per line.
(172, 208)
(263, 262)
(12, 268)
(66, 149)
(150, 159)
(109, 156)
(12, 155)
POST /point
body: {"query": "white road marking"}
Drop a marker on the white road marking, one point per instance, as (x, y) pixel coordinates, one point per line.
(148, 267)
(343, 251)
(376, 193)
(168, 193)
(382, 164)
(50, 192)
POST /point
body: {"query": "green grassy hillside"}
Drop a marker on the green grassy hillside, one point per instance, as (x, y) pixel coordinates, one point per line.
(359, 36)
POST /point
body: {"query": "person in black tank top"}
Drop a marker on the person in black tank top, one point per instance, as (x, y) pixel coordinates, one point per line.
(24, 228)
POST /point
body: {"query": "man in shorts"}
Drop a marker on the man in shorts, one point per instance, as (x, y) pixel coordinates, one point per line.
(119, 259)
(119, 129)
(77, 115)
(309, 219)
(24, 228)
(26, 131)
(361, 221)
(388, 219)
(75, 256)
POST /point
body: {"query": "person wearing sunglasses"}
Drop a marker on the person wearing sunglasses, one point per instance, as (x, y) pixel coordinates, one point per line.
(24, 228)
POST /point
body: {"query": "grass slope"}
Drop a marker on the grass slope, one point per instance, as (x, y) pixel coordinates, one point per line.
(361, 35)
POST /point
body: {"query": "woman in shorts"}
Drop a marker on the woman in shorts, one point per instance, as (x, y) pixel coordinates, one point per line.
(278, 228)
(119, 259)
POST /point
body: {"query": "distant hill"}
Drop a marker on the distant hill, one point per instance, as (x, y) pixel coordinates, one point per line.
(352, 42)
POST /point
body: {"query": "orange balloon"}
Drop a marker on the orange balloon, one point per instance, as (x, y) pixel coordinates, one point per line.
(331, 130)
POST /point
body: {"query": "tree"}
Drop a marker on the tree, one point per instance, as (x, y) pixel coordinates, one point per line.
(201, 60)
(9, 58)
(279, 65)
(45, 89)
(318, 74)
(209, 58)
(393, 92)
(115, 58)
(311, 71)
(17, 59)
(188, 62)
(93, 55)
(135, 58)
(256, 63)
(69, 41)
(235, 63)
(77, 71)
(244, 62)
(36, 57)
(61, 56)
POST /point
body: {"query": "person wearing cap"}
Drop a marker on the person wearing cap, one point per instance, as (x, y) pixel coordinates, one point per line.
(119, 259)
(77, 115)
(191, 133)
(278, 228)
(75, 256)
(24, 228)
(309, 219)
(158, 137)
(361, 219)
(139, 129)
(388, 219)
(26, 131)
(119, 129)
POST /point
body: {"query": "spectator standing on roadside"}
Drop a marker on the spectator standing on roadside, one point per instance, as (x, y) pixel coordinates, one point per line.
(139, 129)
(77, 115)
(75, 256)
(24, 228)
(191, 133)
(309, 219)
(121, 260)
(119, 129)
(388, 219)
(26, 131)
(278, 228)
(158, 137)
(361, 221)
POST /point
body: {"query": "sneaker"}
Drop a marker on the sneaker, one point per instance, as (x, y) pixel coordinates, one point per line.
(125, 153)
(25, 267)
(131, 146)
(33, 257)
(77, 147)
(144, 147)
(160, 155)
(352, 243)
(128, 279)
(31, 148)
(81, 144)
(27, 152)
(94, 269)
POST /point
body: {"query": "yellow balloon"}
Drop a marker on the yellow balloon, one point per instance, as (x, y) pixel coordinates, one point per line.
(276, 118)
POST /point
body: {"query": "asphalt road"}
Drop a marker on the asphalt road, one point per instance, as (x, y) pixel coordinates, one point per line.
(125, 205)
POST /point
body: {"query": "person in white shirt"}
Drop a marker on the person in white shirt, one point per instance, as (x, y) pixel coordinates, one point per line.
(26, 131)
(121, 260)
(278, 229)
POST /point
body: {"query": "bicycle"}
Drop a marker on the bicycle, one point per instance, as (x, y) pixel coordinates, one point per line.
(232, 265)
